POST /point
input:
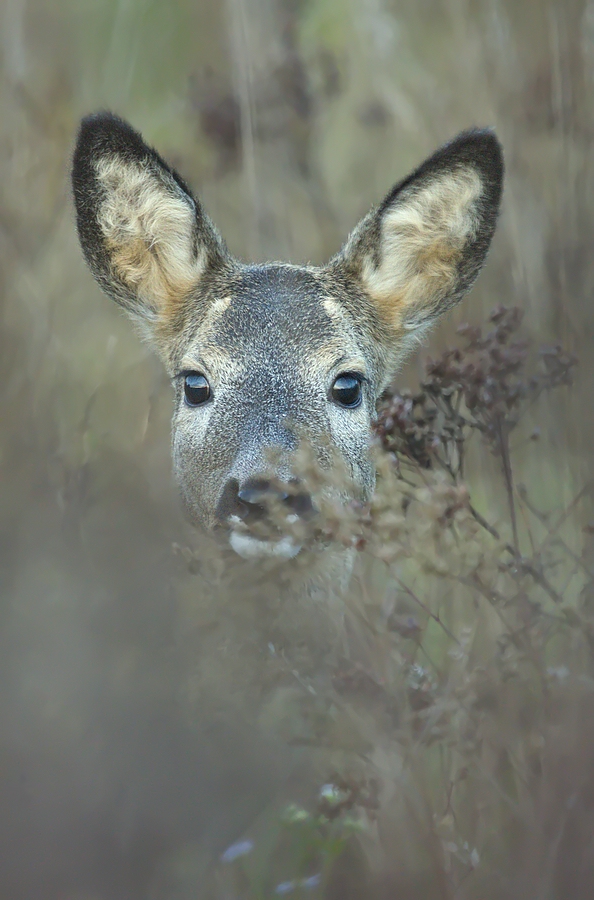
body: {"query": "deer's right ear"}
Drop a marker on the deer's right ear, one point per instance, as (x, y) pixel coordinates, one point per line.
(419, 252)
(146, 239)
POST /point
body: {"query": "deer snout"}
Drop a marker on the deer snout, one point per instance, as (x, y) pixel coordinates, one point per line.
(257, 496)
(253, 499)
(249, 507)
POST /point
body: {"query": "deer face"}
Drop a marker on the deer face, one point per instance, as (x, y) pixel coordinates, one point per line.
(267, 366)
(264, 357)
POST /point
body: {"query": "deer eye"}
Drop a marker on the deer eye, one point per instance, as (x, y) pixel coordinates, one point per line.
(346, 390)
(196, 389)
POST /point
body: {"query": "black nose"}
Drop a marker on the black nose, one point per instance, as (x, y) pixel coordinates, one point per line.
(252, 500)
(258, 493)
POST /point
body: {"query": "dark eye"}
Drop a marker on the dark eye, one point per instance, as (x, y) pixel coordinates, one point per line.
(196, 389)
(346, 390)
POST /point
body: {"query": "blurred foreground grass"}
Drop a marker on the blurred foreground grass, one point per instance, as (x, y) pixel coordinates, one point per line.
(126, 766)
(456, 719)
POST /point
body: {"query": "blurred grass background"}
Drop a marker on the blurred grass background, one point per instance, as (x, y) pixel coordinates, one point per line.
(289, 118)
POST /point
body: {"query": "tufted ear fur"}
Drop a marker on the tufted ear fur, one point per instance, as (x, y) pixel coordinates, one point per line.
(146, 239)
(418, 253)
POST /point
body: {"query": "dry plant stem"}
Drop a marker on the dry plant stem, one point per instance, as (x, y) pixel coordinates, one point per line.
(517, 635)
(537, 574)
(489, 595)
(434, 846)
(502, 431)
(527, 566)
(488, 527)
(426, 610)
(552, 532)
(530, 567)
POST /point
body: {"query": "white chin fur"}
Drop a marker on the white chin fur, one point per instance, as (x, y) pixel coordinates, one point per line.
(251, 548)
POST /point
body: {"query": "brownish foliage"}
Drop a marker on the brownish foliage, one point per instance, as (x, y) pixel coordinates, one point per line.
(468, 675)
(131, 754)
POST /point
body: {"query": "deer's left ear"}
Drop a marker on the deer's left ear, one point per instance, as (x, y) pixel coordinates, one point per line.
(147, 240)
(418, 253)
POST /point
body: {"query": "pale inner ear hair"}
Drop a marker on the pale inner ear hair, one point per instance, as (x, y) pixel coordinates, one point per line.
(149, 227)
(422, 240)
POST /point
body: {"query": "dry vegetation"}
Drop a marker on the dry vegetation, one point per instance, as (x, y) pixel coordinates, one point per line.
(455, 717)
(149, 748)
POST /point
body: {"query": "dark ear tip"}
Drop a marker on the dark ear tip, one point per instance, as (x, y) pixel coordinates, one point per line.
(480, 137)
(481, 146)
(104, 132)
(477, 147)
(103, 122)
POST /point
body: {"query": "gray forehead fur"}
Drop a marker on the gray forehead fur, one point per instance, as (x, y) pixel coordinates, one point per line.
(274, 306)
(276, 313)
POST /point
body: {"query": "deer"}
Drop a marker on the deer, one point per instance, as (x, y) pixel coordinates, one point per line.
(264, 357)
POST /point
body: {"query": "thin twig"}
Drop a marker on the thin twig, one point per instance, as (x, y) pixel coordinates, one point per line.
(503, 444)
(426, 609)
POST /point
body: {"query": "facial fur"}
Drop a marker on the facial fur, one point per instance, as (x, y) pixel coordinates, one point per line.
(271, 340)
(271, 352)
